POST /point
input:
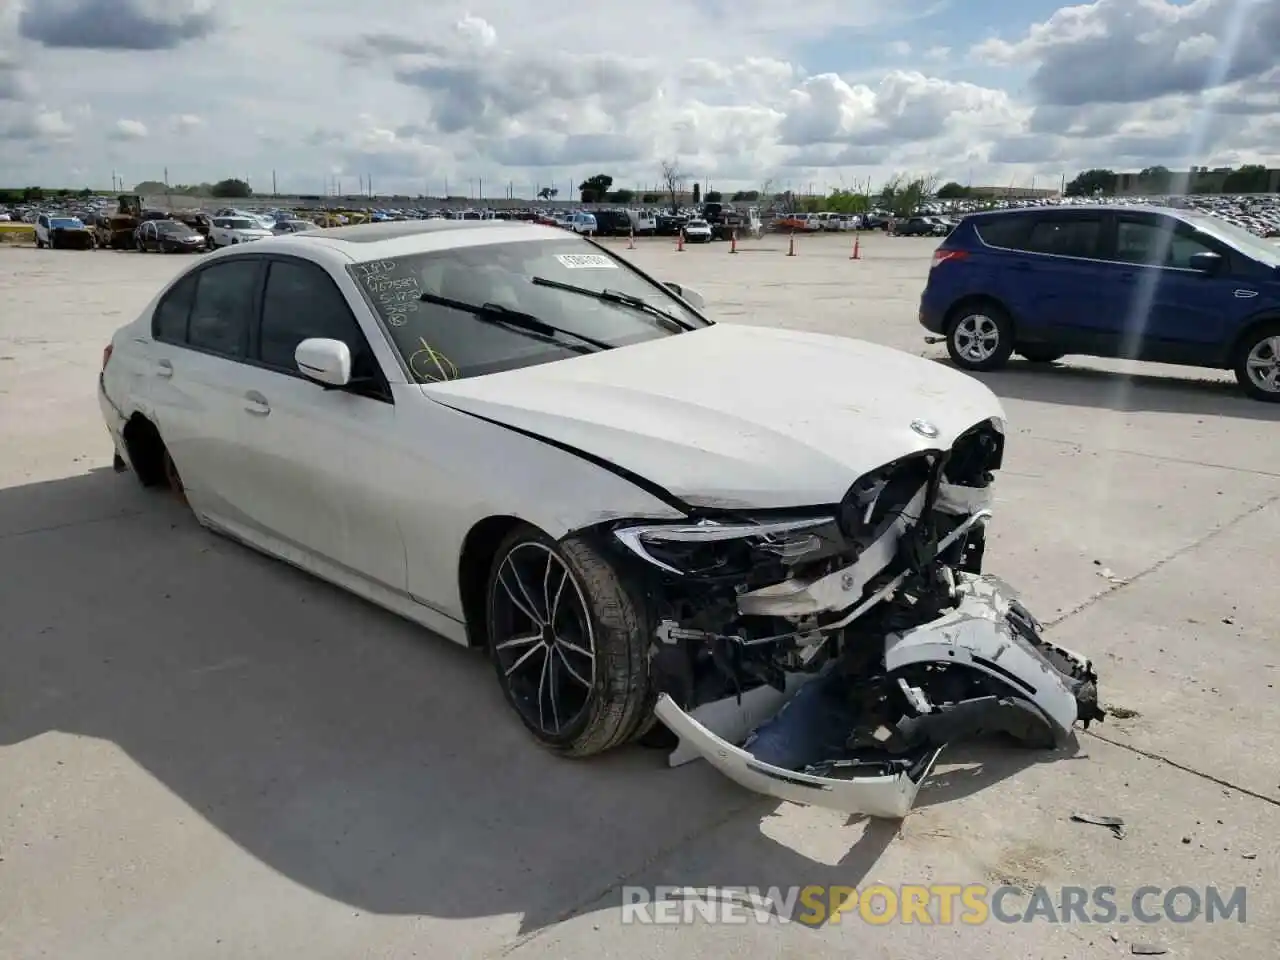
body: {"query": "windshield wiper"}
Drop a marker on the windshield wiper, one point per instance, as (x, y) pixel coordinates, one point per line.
(617, 296)
(505, 316)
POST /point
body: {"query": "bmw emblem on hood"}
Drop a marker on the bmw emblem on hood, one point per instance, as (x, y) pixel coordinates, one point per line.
(925, 429)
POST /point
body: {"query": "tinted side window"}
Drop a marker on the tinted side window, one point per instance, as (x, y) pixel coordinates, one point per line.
(301, 301)
(1075, 237)
(223, 307)
(169, 322)
(1155, 243)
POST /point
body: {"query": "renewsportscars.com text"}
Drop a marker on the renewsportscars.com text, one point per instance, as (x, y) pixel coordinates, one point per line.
(933, 904)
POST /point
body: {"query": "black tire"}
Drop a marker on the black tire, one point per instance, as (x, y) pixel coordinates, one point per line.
(991, 326)
(39, 244)
(611, 706)
(1039, 354)
(1260, 345)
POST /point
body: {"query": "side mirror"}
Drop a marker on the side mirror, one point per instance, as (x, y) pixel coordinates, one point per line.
(688, 295)
(324, 361)
(1206, 262)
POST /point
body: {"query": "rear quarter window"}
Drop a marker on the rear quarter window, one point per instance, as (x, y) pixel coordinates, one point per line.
(1008, 232)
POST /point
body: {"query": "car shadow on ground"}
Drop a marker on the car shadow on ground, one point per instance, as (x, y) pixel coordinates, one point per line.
(347, 749)
(1087, 387)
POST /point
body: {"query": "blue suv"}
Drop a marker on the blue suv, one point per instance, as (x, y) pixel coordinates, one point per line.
(1157, 284)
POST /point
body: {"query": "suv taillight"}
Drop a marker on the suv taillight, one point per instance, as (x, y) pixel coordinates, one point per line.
(944, 256)
(106, 355)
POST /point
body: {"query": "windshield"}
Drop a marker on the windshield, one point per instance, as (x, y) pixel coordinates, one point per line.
(441, 343)
(65, 222)
(174, 229)
(1238, 237)
(238, 224)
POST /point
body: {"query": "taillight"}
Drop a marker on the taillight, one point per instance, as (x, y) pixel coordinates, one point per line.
(945, 256)
(106, 355)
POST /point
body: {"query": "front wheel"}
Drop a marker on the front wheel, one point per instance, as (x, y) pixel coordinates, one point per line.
(980, 338)
(568, 642)
(1258, 363)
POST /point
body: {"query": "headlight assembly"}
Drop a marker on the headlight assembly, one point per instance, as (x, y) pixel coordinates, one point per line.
(711, 549)
(877, 500)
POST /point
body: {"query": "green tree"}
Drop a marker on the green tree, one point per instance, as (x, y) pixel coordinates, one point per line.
(1155, 179)
(547, 193)
(230, 189)
(649, 198)
(1251, 178)
(846, 201)
(952, 191)
(595, 189)
(621, 196)
(1089, 182)
(715, 196)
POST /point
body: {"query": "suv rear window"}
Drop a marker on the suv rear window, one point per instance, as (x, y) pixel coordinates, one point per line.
(1072, 237)
(1008, 232)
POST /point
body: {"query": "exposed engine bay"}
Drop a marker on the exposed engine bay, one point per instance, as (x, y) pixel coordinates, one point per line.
(828, 656)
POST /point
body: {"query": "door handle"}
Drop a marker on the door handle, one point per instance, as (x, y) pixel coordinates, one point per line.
(256, 403)
(164, 369)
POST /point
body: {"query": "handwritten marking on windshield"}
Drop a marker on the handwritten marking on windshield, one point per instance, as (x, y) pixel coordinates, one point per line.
(429, 365)
(586, 261)
(375, 268)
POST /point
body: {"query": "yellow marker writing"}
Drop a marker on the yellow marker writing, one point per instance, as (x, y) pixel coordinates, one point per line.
(429, 365)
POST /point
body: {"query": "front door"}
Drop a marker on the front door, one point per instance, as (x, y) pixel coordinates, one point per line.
(315, 461)
(1172, 312)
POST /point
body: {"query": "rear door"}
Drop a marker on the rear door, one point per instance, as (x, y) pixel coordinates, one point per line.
(201, 337)
(1052, 277)
(1171, 312)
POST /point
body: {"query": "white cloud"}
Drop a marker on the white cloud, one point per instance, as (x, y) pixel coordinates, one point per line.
(463, 90)
(129, 130)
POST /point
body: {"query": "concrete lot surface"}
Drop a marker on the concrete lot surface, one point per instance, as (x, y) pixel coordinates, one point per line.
(205, 754)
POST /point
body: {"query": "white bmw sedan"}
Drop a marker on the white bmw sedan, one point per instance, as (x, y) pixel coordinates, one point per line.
(769, 541)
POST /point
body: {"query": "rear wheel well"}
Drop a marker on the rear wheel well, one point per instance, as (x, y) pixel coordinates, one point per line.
(478, 550)
(146, 451)
(970, 302)
(1253, 327)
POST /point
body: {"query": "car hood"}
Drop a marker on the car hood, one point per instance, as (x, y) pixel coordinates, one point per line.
(735, 416)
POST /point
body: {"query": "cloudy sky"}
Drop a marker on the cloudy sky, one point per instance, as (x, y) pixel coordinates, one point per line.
(513, 92)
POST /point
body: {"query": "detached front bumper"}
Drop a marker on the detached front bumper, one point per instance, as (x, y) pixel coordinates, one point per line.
(809, 743)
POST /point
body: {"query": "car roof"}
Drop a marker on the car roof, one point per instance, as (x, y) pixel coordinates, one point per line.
(1083, 209)
(394, 238)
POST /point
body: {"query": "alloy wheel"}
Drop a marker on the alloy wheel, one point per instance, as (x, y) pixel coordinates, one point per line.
(976, 337)
(542, 638)
(1263, 364)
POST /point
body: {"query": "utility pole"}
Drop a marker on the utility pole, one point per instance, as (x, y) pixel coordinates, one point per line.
(274, 191)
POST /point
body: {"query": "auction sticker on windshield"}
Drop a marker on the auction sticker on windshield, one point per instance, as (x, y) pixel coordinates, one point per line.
(585, 261)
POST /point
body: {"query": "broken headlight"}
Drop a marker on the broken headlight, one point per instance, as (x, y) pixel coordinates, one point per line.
(711, 549)
(878, 499)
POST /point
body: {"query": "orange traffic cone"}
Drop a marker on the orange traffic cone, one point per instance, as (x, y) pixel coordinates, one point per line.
(631, 239)
(857, 250)
(733, 242)
(791, 247)
(680, 242)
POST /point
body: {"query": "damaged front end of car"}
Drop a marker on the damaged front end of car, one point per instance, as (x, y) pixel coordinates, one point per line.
(828, 656)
